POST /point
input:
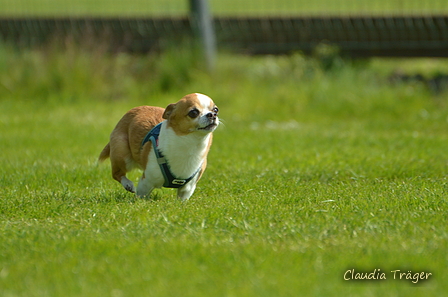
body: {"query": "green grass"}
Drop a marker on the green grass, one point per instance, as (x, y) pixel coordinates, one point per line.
(312, 173)
(218, 7)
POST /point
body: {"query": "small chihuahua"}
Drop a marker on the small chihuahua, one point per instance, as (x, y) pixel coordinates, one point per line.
(170, 145)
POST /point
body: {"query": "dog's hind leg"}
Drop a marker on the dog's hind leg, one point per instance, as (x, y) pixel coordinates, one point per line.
(121, 161)
(120, 176)
(127, 184)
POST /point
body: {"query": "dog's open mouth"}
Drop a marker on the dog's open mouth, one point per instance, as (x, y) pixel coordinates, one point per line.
(208, 127)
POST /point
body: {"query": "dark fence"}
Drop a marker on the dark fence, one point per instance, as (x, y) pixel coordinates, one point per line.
(357, 36)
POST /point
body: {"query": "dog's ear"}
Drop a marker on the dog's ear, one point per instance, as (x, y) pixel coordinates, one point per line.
(168, 110)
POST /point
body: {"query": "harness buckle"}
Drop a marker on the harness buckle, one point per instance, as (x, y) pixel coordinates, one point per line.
(179, 182)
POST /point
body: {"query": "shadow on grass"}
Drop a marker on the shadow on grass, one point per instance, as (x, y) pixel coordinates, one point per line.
(122, 196)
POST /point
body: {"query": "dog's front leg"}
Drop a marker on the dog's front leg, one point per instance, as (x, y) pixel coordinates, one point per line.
(144, 188)
(184, 193)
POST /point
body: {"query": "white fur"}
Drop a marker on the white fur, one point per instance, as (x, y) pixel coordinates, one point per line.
(184, 153)
(204, 100)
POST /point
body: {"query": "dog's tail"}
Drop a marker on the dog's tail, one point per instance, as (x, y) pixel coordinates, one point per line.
(105, 153)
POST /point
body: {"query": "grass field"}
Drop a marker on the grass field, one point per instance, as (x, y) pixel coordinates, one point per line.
(218, 7)
(313, 173)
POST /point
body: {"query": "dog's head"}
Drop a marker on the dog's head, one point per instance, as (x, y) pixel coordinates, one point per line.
(193, 113)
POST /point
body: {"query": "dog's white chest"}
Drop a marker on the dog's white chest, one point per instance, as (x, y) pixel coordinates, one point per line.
(184, 155)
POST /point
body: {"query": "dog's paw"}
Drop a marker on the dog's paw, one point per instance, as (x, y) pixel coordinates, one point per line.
(130, 189)
(127, 184)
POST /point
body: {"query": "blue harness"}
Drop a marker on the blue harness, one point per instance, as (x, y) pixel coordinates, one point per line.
(170, 180)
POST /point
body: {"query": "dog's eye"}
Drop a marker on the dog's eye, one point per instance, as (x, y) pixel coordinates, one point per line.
(193, 113)
(215, 110)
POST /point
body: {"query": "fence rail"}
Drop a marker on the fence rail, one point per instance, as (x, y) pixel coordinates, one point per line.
(356, 36)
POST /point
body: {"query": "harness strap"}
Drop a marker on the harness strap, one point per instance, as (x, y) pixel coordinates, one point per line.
(170, 180)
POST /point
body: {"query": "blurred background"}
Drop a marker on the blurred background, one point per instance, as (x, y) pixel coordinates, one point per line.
(359, 28)
(129, 49)
(222, 7)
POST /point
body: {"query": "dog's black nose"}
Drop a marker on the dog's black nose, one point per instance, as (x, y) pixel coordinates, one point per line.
(211, 115)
